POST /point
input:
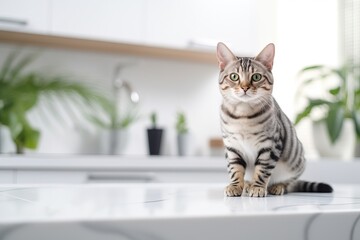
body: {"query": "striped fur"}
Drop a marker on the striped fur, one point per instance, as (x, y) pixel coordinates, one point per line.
(260, 141)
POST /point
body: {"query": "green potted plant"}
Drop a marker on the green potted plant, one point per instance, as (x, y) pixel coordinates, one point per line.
(20, 92)
(154, 136)
(338, 107)
(182, 134)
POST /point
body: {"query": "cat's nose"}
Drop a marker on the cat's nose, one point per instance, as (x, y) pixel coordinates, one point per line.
(245, 88)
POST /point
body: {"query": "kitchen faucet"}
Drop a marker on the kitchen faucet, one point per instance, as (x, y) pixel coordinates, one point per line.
(119, 83)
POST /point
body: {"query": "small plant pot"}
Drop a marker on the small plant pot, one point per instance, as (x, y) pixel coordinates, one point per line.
(357, 150)
(1, 141)
(154, 140)
(113, 141)
(183, 141)
(342, 149)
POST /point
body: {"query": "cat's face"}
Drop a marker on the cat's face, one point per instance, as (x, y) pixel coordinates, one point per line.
(244, 79)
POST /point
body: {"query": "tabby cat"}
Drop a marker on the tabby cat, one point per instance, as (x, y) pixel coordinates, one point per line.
(259, 139)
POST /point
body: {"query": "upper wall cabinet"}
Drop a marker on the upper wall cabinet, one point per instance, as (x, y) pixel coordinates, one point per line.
(113, 20)
(185, 26)
(25, 16)
(202, 23)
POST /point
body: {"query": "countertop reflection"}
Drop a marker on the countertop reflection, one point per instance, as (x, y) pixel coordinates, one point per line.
(174, 205)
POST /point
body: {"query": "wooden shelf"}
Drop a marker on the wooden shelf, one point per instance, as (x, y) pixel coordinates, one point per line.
(106, 46)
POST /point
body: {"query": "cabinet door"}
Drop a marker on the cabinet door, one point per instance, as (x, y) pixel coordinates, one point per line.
(6, 176)
(24, 15)
(157, 176)
(46, 176)
(113, 20)
(193, 177)
(202, 23)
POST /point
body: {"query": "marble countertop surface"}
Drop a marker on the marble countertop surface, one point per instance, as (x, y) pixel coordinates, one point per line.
(173, 212)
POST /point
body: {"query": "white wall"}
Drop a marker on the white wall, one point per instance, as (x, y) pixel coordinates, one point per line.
(305, 32)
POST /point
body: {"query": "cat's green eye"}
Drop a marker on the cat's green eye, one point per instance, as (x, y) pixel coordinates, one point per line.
(234, 77)
(256, 77)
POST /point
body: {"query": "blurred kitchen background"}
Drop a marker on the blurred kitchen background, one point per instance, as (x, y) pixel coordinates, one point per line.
(158, 56)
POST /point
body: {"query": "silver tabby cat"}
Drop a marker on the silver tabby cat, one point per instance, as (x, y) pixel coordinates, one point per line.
(259, 139)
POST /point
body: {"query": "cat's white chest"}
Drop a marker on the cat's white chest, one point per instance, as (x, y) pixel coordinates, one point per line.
(249, 153)
(244, 143)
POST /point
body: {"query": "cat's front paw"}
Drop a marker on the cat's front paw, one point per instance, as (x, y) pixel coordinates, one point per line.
(233, 190)
(256, 191)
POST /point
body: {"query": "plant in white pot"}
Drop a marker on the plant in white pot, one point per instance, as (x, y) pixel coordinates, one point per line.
(113, 137)
(182, 134)
(336, 130)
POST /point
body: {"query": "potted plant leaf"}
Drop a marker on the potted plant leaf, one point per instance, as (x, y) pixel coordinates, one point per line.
(182, 134)
(154, 136)
(338, 107)
(20, 91)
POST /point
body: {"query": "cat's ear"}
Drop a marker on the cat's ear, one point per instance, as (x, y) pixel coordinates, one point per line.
(224, 55)
(266, 56)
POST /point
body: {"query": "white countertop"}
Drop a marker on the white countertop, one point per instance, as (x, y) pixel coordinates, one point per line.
(173, 212)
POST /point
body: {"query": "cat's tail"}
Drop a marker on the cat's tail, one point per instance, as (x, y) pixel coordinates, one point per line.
(305, 186)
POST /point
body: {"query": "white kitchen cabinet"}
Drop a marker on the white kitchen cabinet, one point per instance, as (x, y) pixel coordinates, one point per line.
(50, 176)
(6, 176)
(111, 169)
(45, 169)
(157, 176)
(113, 20)
(180, 27)
(202, 23)
(25, 15)
(193, 176)
(132, 176)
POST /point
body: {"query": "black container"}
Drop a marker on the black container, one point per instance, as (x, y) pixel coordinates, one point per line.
(154, 140)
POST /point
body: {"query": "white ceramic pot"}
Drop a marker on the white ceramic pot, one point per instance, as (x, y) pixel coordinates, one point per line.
(357, 150)
(113, 141)
(2, 139)
(183, 144)
(343, 148)
(6, 144)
